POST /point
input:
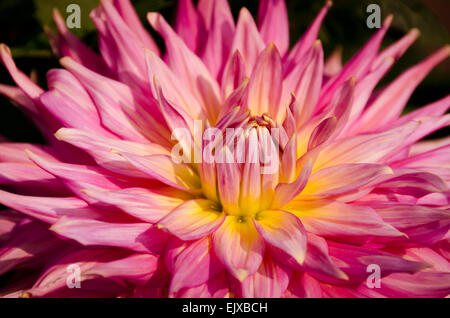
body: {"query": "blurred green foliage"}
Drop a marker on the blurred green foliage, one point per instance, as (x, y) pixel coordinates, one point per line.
(22, 21)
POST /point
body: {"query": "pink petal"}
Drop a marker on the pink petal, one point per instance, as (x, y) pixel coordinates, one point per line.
(318, 261)
(239, 246)
(69, 45)
(193, 219)
(49, 209)
(22, 81)
(233, 74)
(106, 151)
(353, 260)
(389, 104)
(129, 16)
(187, 24)
(282, 230)
(80, 177)
(397, 49)
(364, 89)
(274, 24)
(333, 63)
(137, 269)
(54, 279)
(339, 220)
(119, 110)
(251, 176)
(306, 41)
(421, 224)
(188, 67)
(304, 81)
(173, 88)
(127, 59)
(164, 169)
(27, 177)
(435, 109)
(434, 158)
(66, 95)
(270, 281)
(218, 41)
(228, 181)
(288, 161)
(194, 266)
(17, 96)
(216, 287)
(19, 249)
(265, 85)
(356, 67)
(285, 192)
(141, 203)
(247, 40)
(323, 132)
(15, 152)
(302, 285)
(422, 284)
(139, 237)
(368, 148)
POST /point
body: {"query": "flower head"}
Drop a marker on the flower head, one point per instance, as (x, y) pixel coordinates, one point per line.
(230, 165)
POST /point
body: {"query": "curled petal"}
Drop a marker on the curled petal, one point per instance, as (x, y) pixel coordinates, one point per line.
(284, 231)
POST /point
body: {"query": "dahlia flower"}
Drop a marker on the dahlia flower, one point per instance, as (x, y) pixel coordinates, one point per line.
(131, 194)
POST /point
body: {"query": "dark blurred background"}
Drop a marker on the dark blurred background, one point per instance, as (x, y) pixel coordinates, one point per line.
(22, 21)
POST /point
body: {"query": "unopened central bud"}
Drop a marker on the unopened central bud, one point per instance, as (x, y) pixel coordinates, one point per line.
(248, 172)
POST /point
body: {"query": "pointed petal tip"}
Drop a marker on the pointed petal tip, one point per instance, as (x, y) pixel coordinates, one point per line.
(300, 257)
(272, 49)
(241, 274)
(153, 17)
(66, 61)
(415, 32)
(58, 134)
(387, 22)
(341, 275)
(4, 50)
(447, 49)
